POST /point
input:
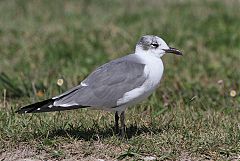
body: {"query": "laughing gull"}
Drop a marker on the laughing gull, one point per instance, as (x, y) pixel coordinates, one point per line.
(115, 85)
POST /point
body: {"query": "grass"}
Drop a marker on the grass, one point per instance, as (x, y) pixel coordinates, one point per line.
(192, 115)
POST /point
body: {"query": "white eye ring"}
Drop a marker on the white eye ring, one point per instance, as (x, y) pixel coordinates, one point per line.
(155, 45)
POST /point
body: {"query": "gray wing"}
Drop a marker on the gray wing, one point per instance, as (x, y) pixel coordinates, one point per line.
(107, 84)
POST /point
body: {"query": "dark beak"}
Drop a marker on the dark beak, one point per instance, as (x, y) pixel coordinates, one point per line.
(173, 50)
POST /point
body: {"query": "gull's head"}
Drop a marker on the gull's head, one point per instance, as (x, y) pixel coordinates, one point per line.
(155, 46)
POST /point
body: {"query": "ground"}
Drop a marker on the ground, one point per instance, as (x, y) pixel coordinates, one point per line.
(48, 47)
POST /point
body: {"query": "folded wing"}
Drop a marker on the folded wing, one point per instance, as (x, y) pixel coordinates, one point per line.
(107, 84)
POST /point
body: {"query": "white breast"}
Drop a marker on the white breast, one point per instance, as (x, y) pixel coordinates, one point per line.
(153, 70)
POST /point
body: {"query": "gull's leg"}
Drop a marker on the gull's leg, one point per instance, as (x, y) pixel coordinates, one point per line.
(123, 127)
(116, 123)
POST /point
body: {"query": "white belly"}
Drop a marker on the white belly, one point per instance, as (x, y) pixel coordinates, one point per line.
(153, 70)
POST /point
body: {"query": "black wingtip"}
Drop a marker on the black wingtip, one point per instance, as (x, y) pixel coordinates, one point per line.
(33, 108)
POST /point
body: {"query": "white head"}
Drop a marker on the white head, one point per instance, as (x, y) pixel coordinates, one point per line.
(155, 46)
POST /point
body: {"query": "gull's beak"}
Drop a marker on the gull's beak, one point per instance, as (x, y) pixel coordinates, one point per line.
(173, 50)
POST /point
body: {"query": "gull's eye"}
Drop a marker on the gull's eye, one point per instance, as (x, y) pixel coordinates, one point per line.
(155, 45)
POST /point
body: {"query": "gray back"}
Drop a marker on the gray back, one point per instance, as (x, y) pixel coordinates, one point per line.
(107, 84)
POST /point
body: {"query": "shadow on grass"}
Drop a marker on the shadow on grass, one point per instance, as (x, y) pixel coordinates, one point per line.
(96, 134)
(82, 134)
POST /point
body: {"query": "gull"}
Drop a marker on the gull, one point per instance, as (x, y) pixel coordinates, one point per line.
(115, 85)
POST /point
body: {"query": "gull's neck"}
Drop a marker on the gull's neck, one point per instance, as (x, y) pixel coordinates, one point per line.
(146, 53)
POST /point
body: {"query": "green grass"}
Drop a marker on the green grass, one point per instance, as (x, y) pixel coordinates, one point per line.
(192, 114)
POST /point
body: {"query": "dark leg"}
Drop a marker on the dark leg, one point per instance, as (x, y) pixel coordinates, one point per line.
(116, 123)
(123, 127)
